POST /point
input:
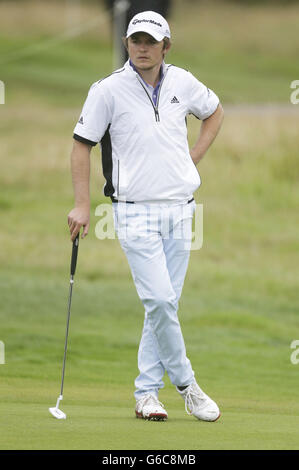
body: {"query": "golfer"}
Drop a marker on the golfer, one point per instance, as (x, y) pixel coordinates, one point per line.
(138, 115)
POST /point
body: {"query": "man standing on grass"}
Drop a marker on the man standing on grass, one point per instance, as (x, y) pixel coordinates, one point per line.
(138, 114)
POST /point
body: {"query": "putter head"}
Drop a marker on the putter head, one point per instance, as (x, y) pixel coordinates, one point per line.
(57, 413)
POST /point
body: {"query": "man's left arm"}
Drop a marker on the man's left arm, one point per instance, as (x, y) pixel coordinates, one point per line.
(208, 131)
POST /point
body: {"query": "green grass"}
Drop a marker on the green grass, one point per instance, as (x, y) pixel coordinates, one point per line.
(240, 355)
(239, 308)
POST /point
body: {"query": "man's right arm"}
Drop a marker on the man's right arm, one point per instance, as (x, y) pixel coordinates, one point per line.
(80, 168)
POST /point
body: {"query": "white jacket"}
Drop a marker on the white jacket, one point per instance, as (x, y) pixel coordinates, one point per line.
(145, 151)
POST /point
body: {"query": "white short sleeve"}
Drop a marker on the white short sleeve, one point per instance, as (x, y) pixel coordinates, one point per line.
(203, 102)
(95, 116)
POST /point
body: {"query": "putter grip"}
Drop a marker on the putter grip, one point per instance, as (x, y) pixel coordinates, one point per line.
(74, 254)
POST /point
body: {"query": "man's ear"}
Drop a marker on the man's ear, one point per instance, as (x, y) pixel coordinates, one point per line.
(166, 46)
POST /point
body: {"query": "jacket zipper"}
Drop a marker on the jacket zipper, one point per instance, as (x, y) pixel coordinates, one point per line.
(157, 116)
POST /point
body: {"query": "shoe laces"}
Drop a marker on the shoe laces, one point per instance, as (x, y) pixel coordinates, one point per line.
(191, 395)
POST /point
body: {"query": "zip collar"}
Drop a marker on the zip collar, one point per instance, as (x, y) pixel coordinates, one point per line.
(164, 69)
(161, 72)
(131, 68)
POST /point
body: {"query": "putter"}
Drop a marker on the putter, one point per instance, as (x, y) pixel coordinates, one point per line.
(55, 411)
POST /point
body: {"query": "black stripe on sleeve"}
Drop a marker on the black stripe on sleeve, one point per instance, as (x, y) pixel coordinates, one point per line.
(84, 141)
(107, 162)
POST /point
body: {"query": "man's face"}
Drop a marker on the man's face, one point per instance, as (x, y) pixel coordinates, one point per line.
(144, 51)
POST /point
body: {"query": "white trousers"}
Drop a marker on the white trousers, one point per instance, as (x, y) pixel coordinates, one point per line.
(156, 239)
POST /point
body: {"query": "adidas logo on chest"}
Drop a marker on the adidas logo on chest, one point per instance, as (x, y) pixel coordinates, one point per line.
(174, 100)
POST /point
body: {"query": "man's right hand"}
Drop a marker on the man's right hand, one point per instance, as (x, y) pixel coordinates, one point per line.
(77, 218)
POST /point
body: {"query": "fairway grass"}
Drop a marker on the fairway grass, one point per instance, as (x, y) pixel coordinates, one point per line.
(242, 360)
(99, 418)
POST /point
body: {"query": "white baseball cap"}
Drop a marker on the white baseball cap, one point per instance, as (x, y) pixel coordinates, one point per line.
(149, 22)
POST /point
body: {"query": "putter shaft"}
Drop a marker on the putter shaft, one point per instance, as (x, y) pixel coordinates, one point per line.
(54, 411)
(67, 332)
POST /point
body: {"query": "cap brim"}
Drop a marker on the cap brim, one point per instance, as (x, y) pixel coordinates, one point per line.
(144, 29)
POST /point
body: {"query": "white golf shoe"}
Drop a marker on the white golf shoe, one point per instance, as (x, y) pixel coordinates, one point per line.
(198, 404)
(149, 407)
